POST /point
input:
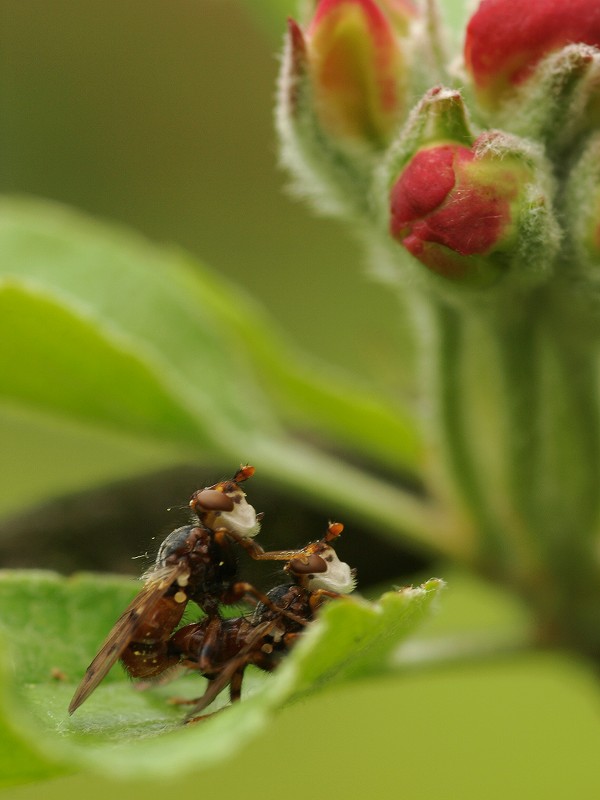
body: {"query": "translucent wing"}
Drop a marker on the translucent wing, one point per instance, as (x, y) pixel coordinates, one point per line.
(156, 586)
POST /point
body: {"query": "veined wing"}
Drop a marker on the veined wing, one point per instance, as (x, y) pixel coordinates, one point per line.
(153, 591)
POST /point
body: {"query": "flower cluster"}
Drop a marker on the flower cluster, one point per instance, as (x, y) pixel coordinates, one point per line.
(470, 183)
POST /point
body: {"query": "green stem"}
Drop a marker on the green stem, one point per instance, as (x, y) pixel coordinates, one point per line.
(513, 422)
(569, 441)
(398, 513)
(517, 420)
(565, 490)
(551, 407)
(453, 473)
(515, 347)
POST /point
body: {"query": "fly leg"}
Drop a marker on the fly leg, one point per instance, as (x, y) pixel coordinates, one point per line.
(242, 588)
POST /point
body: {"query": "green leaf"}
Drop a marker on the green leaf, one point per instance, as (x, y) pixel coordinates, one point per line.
(313, 395)
(67, 457)
(75, 362)
(102, 312)
(112, 333)
(53, 626)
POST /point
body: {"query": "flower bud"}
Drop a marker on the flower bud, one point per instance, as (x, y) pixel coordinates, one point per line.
(506, 39)
(341, 97)
(357, 70)
(468, 213)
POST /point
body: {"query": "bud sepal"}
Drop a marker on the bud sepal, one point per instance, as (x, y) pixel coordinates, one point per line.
(440, 115)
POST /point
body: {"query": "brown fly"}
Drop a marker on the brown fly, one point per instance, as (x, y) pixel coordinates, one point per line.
(266, 636)
(195, 563)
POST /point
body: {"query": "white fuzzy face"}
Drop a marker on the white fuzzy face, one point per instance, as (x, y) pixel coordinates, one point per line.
(338, 576)
(242, 519)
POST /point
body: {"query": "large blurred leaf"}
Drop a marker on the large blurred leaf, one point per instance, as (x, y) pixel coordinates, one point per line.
(53, 626)
(97, 316)
(79, 372)
(314, 395)
(45, 457)
(113, 333)
(111, 329)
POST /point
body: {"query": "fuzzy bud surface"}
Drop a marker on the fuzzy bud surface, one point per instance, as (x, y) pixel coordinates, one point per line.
(452, 208)
(506, 39)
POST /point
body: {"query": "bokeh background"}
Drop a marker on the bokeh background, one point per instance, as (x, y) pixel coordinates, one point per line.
(158, 114)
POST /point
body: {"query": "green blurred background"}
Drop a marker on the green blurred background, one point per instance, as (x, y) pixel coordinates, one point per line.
(158, 114)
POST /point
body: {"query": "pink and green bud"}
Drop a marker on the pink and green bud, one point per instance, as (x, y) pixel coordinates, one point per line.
(440, 116)
(356, 71)
(506, 40)
(460, 210)
(342, 97)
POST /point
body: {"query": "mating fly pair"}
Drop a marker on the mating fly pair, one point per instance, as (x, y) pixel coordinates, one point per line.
(198, 563)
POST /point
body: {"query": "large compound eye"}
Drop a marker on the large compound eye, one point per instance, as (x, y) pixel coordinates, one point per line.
(230, 508)
(312, 564)
(212, 500)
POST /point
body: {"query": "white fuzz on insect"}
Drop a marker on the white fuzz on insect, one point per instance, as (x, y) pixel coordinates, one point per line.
(338, 577)
(242, 520)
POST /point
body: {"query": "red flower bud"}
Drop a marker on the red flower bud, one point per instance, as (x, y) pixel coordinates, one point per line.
(453, 208)
(356, 69)
(507, 38)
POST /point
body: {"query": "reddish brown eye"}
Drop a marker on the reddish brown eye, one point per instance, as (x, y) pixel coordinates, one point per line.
(312, 564)
(212, 500)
